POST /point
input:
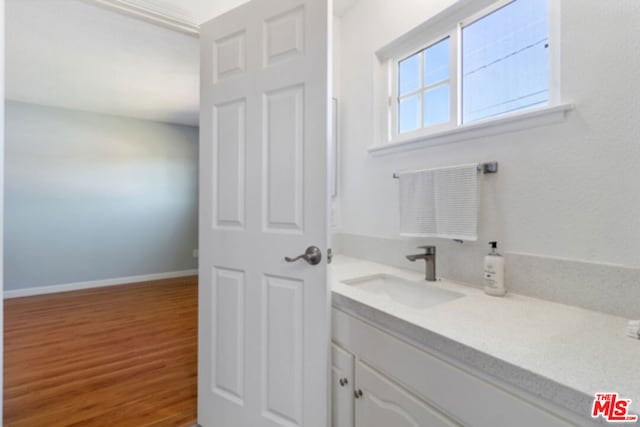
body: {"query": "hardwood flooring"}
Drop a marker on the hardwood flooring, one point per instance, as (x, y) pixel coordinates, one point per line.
(115, 356)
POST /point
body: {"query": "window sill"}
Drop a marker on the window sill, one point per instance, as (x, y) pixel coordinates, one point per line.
(489, 127)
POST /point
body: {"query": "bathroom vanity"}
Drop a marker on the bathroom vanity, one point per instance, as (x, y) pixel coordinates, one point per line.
(409, 353)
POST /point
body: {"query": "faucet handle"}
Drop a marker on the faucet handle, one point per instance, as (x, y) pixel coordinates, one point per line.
(428, 250)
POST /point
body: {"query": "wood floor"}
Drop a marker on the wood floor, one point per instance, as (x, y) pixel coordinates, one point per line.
(116, 356)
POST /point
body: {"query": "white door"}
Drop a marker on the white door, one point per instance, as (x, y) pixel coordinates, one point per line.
(264, 342)
(382, 403)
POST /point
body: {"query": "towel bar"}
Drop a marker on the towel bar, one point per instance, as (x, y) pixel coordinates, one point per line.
(488, 167)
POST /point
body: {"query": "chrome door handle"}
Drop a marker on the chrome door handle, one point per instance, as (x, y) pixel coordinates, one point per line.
(312, 255)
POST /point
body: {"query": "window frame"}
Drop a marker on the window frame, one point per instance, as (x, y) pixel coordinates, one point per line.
(451, 25)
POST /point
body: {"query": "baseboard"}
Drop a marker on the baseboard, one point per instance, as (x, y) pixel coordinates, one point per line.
(41, 290)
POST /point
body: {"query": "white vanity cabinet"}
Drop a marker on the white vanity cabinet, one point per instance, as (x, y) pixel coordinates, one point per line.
(395, 383)
(363, 397)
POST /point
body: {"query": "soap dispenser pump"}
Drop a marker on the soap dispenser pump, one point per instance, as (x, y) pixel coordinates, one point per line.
(494, 272)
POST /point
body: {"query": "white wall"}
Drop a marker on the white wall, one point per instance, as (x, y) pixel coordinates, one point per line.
(90, 196)
(566, 190)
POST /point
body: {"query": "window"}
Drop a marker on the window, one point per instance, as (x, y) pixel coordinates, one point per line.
(423, 87)
(493, 63)
(505, 64)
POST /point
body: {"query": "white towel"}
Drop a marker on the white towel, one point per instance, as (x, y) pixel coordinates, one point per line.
(440, 203)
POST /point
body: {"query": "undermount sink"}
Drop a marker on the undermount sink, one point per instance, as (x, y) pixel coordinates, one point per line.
(417, 295)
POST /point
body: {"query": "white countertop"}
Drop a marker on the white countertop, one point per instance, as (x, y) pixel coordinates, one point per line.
(582, 350)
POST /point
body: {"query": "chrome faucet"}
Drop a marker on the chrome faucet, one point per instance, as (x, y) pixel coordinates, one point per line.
(429, 256)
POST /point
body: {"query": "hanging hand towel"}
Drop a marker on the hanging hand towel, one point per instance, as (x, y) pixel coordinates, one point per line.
(440, 203)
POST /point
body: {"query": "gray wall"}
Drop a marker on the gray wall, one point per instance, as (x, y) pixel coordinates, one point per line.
(90, 196)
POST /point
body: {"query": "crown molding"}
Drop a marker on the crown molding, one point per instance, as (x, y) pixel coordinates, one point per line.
(152, 13)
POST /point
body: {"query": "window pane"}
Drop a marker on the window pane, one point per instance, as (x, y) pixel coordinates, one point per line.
(505, 60)
(409, 114)
(436, 105)
(436, 63)
(409, 74)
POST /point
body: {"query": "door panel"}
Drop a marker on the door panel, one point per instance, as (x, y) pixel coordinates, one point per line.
(229, 55)
(284, 163)
(342, 380)
(282, 335)
(384, 404)
(228, 150)
(284, 36)
(228, 341)
(264, 141)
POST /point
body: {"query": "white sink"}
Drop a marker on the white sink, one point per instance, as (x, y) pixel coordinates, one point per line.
(417, 295)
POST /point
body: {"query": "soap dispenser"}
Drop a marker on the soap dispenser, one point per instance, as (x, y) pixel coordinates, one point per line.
(494, 272)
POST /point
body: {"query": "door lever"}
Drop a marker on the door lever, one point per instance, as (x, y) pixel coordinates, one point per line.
(312, 255)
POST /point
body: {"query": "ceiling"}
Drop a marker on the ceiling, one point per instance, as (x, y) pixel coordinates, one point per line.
(73, 54)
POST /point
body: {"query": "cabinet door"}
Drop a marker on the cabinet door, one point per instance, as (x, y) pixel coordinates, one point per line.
(341, 388)
(382, 403)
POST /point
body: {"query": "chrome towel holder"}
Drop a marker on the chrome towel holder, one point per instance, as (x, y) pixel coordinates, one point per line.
(484, 168)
